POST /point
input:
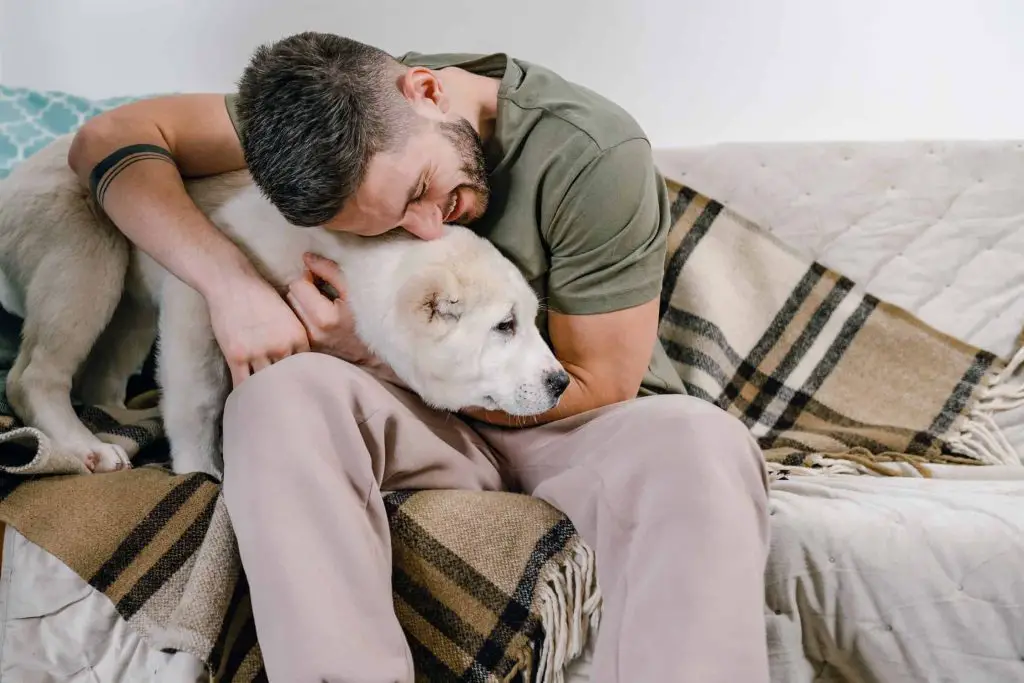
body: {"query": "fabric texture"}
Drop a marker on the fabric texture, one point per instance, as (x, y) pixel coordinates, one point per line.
(825, 375)
(896, 579)
(577, 204)
(30, 119)
(162, 549)
(749, 325)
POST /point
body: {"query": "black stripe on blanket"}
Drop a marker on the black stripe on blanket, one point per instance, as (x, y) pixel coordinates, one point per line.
(8, 485)
(512, 618)
(241, 646)
(169, 563)
(407, 531)
(798, 400)
(428, 666)
(231, 633)
(796, 405)
(810, 333)
(957, 400)
(700, 228)
(748, 368)
(144, 533)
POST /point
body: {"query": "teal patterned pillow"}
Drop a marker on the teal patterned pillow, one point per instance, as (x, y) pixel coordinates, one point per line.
(29, 119)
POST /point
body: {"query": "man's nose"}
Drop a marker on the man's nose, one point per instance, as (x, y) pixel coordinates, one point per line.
(423, 218)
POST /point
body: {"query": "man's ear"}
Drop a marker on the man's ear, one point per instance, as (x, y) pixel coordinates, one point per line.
(433, 296)
(423, 89)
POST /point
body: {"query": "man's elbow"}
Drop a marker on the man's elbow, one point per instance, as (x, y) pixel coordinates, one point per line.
(622, 392)
(610, 390)
(105, 133)
(92, 137)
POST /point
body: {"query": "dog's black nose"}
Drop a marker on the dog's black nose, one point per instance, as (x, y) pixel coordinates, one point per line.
(556, 382)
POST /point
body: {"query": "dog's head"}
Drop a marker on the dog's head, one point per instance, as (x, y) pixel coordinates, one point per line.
(466, 332)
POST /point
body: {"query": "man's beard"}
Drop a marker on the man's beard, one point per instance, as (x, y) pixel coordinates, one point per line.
(474, 165)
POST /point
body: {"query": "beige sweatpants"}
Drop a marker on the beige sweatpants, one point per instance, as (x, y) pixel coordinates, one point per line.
(669, 491)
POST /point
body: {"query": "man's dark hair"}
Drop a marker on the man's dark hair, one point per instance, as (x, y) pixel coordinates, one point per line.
(313, 109)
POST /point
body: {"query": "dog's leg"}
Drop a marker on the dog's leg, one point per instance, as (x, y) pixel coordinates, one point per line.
(69, 302)
(194, 381)
(118, 354)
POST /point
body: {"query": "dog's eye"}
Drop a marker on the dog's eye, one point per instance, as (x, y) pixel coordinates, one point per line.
(507, 326)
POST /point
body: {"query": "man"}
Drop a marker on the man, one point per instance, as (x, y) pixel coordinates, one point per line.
(668, 490)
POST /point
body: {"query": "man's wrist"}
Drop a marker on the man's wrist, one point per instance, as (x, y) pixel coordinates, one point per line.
(222, 272)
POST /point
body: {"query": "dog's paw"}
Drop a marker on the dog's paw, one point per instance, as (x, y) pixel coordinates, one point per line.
(101, 457)
(209, 470)
(182, 463)
(110, 458)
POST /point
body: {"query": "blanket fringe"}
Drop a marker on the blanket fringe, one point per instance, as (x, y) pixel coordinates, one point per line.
(570, 611)
(823, 465)
(979, 436)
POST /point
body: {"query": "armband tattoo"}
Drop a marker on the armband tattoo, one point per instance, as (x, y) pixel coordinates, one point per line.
(110, 167)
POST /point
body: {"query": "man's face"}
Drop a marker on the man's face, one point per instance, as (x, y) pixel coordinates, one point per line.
(438, 176)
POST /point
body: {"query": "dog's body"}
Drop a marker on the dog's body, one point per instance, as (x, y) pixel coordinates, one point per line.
(452, 317)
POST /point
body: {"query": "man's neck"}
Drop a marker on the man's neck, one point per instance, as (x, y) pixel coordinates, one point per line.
(472, 97)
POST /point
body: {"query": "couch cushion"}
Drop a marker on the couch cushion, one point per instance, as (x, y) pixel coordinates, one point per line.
(29, 119)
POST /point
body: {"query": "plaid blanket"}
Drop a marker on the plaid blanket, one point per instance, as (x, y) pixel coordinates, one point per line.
(827, 378)
(517, 608)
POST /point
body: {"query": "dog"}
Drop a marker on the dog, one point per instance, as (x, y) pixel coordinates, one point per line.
(452, 317)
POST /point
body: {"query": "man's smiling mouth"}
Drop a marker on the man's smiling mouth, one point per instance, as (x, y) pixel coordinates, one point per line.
(454, 208)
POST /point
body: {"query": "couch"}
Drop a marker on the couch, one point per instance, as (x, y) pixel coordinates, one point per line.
(869, 578)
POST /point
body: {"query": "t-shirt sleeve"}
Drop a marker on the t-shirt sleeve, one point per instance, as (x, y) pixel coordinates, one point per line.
(231, 103)
(608, 236)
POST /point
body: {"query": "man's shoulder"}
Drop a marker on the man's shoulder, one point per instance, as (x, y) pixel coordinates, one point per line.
(603, 121)
(565, 107)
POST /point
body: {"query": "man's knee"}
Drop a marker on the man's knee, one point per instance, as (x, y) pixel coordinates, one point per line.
(269, 405)
(685, 439)
(290, 380)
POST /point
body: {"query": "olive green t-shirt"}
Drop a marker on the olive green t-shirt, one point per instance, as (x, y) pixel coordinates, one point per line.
(577, 203)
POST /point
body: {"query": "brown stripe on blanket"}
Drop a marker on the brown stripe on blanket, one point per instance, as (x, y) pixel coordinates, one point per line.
(64, 514)
(141, 536)
(474, 597)
(816, 368)
(236, 634)
(170, 559)
(703, 212)
(705, 350)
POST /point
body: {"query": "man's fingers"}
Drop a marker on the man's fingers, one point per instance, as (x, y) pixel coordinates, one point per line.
(302, 345)
(312, 307)
(239, 372)
(327, 270)
(258, 364)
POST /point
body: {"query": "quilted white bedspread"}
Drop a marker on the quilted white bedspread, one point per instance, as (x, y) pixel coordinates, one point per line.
(870, 580)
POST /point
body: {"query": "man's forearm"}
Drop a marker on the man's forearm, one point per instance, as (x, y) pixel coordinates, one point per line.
(577, 398)
(145, 197)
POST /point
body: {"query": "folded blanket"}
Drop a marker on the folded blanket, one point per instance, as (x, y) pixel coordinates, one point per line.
(826, 377)
(162, 549)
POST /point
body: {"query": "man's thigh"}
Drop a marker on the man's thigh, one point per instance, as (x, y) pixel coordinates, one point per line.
(663, 431)
(319, 407)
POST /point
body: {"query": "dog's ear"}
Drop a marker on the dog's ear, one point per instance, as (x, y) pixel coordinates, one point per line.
(433, 294)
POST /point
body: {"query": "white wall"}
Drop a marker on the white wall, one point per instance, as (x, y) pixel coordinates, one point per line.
(691, 71)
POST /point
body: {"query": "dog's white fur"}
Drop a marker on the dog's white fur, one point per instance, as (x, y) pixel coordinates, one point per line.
(93, 304)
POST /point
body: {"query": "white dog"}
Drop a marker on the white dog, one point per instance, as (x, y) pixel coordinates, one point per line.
(452, 317)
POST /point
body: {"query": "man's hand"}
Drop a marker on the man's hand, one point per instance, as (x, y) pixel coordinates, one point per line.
(329, 324)
(606, 356)
(254, 327)
(148, 203)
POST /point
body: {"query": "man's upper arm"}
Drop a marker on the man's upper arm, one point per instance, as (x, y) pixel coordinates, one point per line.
(607, 237)
(231, 104)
